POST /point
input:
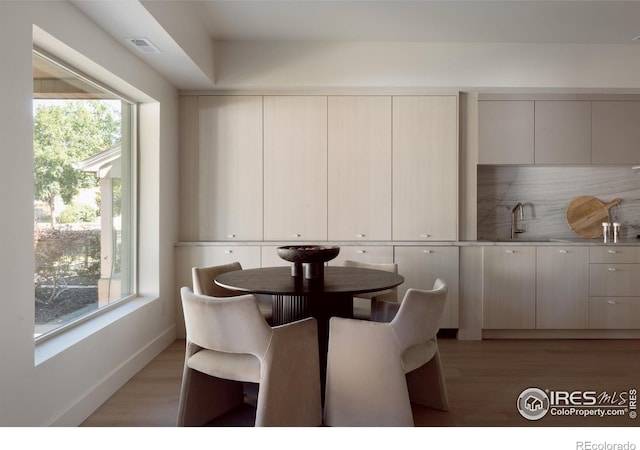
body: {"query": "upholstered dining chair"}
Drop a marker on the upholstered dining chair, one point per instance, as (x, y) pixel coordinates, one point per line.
(364, 305)
(203, 284)
(228, 343)
(375, 370)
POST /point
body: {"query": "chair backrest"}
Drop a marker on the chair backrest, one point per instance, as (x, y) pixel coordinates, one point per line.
(390, 267)
(226, 324)
(387, 267)
(418, 318)
(203, 277)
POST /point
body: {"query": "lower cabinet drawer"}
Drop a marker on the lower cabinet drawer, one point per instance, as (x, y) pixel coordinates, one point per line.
(621, 313)
(614, 255)
(617, 280)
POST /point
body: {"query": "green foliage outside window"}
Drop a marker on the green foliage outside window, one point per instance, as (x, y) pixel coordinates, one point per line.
(65, 134)
(78, 212)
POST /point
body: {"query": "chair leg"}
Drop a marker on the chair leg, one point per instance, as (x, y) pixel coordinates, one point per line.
(203, 398)
(427, 385)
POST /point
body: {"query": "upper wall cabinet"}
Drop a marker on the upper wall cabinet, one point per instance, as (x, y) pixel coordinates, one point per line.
(505, 132)
(558, 130)
(616, 132)
(221, 171)
(295, 168)
(359, 187)
(562, 132)
(425, 168)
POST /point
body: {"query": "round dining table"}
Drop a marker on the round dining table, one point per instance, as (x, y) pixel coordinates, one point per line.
(295, 297)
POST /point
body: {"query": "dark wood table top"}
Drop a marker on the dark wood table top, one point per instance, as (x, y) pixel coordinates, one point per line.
(337, 280)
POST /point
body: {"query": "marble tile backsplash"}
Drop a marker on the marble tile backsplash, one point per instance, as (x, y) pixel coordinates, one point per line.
(546, 191)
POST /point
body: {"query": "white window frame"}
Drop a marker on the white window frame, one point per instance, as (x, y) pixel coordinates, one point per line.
(105, 312)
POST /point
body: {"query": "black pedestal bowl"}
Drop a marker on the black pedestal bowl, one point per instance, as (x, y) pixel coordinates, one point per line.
(311, 258)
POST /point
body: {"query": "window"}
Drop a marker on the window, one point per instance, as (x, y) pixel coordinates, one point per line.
(83, 196)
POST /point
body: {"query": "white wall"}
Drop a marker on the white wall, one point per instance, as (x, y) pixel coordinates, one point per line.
(396, 64)
(54, 387)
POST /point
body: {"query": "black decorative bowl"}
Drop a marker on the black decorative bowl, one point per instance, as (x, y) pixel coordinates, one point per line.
(307, 253)
(307, 258)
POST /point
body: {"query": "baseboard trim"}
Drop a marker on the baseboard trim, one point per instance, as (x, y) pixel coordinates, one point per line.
(109, 385)
(560, 334)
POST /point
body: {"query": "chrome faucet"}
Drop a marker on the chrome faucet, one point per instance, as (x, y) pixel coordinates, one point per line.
(514, 219)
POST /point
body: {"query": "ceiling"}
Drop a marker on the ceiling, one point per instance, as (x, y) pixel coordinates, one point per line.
(519, 21)
(185, 30)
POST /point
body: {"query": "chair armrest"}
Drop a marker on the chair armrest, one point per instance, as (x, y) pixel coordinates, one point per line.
(295, 344)
(290, 382)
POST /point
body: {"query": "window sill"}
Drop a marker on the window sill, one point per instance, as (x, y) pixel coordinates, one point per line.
(54, 345)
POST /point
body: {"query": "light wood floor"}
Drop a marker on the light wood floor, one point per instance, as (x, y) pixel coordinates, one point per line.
(484, 380)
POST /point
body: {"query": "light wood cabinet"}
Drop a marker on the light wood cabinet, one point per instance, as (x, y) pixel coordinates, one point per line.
(614, 313)
(425, 168)
(618, 280)
(562, 132)
(505, 132)
(359, 162)
(509, 287)
(229, 169)
(295, 168)
(616, 134)
(614, 286)
(374, 254)
(188, 256)
(562, 287)
(558, 132)
(187, 168)
(614, 254)
(270, 257)
(420, 266)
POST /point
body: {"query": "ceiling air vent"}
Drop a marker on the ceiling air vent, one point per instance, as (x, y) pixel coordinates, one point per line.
(144, 45)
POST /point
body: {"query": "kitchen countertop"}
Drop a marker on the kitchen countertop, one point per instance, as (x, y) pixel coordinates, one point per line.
(480, 242)
(553, 242)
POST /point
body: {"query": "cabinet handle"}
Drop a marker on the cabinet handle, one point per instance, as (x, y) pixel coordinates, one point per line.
(613, 252)
(611, 302)
(231, 235)
(425, 235)
(361, 251)
(510, 251)
(228, 251)
(564, 251)
(612, 269)
(427, 251)
(297, 235)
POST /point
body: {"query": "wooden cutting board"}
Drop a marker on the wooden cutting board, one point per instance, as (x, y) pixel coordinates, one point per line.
(585, 215)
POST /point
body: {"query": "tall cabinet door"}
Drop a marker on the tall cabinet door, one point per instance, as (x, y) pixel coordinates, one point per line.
(295, 168)
(509, 288)
(359, 168)
(425, 168)
(229, 168)
(562, 287)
